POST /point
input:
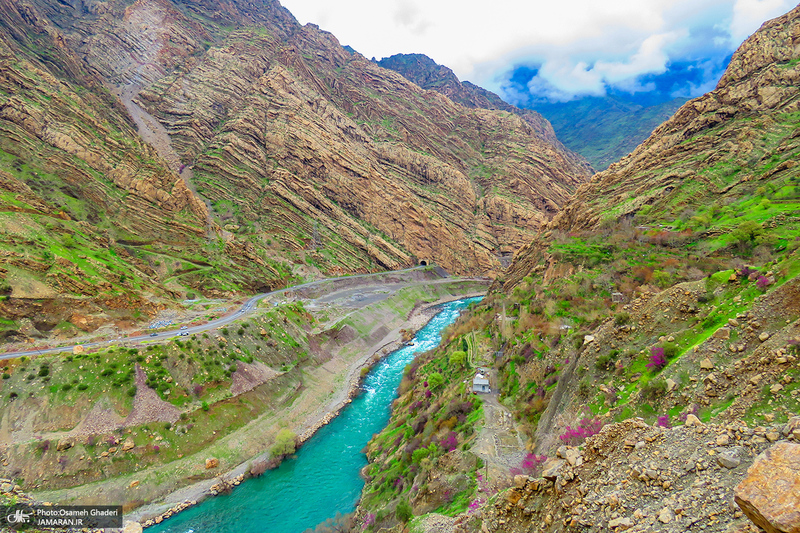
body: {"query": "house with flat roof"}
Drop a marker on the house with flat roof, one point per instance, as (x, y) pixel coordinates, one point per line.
(480, 383)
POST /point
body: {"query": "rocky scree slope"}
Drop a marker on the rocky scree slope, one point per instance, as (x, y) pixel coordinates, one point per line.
(668, 291)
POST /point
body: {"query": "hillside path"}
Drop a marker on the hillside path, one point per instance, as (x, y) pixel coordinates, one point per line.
(499, 443)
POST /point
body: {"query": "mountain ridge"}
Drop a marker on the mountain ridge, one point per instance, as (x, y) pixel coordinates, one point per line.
(290, 157)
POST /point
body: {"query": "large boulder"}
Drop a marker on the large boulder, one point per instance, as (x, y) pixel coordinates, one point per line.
(770, 493)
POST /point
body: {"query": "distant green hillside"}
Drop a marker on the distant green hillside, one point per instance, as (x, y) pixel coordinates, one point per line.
(604, 129)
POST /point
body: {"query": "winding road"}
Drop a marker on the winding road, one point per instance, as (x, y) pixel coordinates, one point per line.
(246, 308)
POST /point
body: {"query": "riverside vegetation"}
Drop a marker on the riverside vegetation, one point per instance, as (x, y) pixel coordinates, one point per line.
(642, 346)
(665, 292)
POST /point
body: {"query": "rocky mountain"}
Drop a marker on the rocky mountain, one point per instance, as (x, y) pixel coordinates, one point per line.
(643, 350)
(723, 160)
(426, 73)
(604, 129)
(160, 149)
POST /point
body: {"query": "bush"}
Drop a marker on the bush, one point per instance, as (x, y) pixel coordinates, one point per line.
(585, 429)
(403, 511)
(285, 443)
(435, 380)
(657, 359)
(458, 358)
(258, 468)
(606, 362)
(204, 406)
(622, 318)
(653, 389)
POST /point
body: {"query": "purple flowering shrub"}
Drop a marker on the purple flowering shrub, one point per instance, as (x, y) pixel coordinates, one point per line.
(657, 359)
(450, 442)
(585, 429)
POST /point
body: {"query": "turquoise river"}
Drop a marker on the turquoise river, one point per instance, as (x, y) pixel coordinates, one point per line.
(323, 478)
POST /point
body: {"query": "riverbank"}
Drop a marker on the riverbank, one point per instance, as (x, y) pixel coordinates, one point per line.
(189, 496)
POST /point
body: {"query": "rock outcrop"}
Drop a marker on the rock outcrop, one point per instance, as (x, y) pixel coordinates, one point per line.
(770, 494)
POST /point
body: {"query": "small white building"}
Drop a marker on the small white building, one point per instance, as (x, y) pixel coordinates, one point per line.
(480, 383)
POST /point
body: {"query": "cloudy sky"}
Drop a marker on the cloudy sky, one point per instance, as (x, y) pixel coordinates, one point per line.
(529, 51)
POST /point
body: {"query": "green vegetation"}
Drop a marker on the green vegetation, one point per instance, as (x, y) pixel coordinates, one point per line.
(285, 443)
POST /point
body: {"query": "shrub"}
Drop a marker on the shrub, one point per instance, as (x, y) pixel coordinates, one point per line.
(285, 443)
(403, 511)
(419, 455)
(657, 359)
(257, 468)
(622, 318)
(450, 442)
(653, 389)
(435, 380)
(532, 463)
(458, 358)
(585, 429)
(204, 406)
(606, 362)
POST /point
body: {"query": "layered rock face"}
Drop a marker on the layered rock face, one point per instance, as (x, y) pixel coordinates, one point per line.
(227, 148)
(290, 135)
(423, 71)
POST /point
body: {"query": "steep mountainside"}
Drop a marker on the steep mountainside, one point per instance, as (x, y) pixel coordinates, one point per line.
(604, 129)
(667, 289)
(426, 73)
(265, 151)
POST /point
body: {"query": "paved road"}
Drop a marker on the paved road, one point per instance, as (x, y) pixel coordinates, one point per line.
(246, 308)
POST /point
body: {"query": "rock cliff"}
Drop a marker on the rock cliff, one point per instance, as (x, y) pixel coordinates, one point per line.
(214, 147)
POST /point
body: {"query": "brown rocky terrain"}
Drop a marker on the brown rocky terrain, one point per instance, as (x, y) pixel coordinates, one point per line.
(634, 477)
(264, 149)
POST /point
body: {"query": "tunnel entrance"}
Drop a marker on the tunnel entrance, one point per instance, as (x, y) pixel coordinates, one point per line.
(423, 263)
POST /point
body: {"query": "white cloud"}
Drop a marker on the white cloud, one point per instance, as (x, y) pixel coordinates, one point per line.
(579, 44)
(748, 15)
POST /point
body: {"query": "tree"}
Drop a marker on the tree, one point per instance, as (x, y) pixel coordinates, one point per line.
(285, 443)
(435, 380)
(458, 358)
(747, 232)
